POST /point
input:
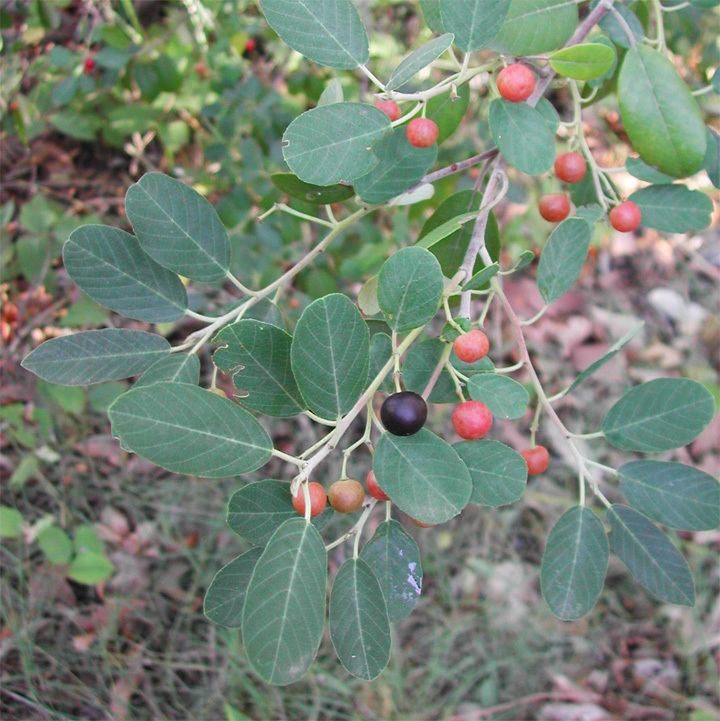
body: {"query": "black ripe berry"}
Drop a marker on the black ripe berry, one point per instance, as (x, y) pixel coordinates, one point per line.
(404, 413)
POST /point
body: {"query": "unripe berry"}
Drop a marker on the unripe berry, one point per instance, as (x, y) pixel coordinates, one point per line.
(554, 207)
(516, 82)
(472, 420)
(89, 65)
(471, 347)
(570, 167)
(390, 108)
(318, 499)
(404, 413)
(346, 496)
(537, 459)
(626, 217)
(422, 132)
(374, 488)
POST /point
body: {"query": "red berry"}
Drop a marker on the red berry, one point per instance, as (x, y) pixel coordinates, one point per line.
(472, 420)
(250, 45)
(554, 207)
(537, 459)
(471, 347)
(374, 488)
(422, 132)
(570, 167)
(516, 82)
(346, 496)
(390, 108)
(626, 217)
(89, 65)
(318, 499)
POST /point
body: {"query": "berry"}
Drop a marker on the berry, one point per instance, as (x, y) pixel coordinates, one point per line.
(346, 496)
(390, 108)
(570, 167)
(537, 459)
(374, 488)
(472, 420)
(626, 217)
(471, 347)
(516, 83)
(404, 413)
(422, 132)
(250, 45)
(318, 499)
(89, 65)
(554, 207)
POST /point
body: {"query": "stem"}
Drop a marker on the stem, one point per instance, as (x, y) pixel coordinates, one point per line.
(242, 288)
(290, 459)
(437, 371)
(355, 530)
(596, 434)
(458, 167)
(623, 24)
(372, 78)
(536, 317)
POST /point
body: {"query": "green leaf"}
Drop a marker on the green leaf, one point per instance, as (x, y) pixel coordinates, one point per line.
(257, 510)
(10, 522)
(522, 136)
(177, 368)
(673, 208)
(614, 349)
(284, 611)
(90, 568)
(651, 558)
(95, 356)
(333, 93)
(482, 277)
(334, 143)
(309, 193)
(474, 22)
(585, 61)
(641, 170)
(56, 545)
(330, 32)
(187, 429)
(110, 266)
(423, 475)
(420, 362)
(712, 154)
(612, 27)
(660, 115)
(257, 355)
(563, 257)
(380, 354)
(71, 400)
(409, 289)
(86, 539)
(505, 397)
(330, 355)
(401, 166)
(659, 415)
(673, 494)
(499, 473)
(358, 619)
(536, 26)
(394, 558)
(178, 228)
(431, 13)
(574, 564)
(448, 111)
(225, 597)
(417, 60)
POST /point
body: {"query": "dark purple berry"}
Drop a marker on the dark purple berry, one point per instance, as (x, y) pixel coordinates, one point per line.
(404, 413)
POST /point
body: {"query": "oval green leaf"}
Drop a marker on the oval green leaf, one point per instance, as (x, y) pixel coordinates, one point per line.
(334, 143)
(309, 193)
(284, 611)
(423, 475)
(177, 368)
(651, 558)
(187, 429)
(574, 564)
(178, 228)
(474, 22)
(673, 208)
(257, 355)
(109, 265)
(330, 32)
(330, 355)
(659, 415)
(90, 568)
(448, 111)
(410, 286)
(673, 494)
(505, 397)
(95, 356)
(499, 473)
(225, 597)
(536, 26)
(358, 619)
(394, 558)
(417, 60)
(585, 61)
(660, 115)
